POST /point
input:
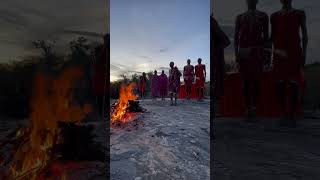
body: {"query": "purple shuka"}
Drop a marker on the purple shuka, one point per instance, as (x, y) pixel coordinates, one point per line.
(155, 86)
(163, 85)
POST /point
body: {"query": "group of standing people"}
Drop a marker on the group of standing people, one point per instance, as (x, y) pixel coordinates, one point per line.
(254, 49)
(161, 85)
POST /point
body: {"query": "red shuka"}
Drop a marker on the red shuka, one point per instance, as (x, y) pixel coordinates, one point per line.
(200, 78)
(99, 75)
(250, 27)
(286, 39)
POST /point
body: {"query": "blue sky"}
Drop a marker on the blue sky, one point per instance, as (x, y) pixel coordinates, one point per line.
(148, 34)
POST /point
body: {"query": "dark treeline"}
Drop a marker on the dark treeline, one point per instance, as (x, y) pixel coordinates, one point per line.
(115, 86)
(134, 78)
(16, 77)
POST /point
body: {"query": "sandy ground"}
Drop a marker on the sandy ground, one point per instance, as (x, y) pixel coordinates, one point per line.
(171, 142)
(264, 150)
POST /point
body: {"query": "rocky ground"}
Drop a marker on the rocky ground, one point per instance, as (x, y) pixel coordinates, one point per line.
(169, 142)
(85, 171)
(264, 150)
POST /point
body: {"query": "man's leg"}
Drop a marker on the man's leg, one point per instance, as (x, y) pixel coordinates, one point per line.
(246, 93)
(282, 97)
(294, 87)
(175, 98)
(202, 92)
(256, 91)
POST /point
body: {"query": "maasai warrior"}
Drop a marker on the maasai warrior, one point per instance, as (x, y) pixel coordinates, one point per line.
(200, 71)
(163, 85)
(155, 85)
(250, 39)
(289, 55)
(100, 71)
(142, 85)
(218, 42)
(174, 82)
(188, 75)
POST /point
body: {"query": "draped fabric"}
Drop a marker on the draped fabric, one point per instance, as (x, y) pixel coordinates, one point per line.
(174, 80)
(155, 86)
(183, 94)
(200, 78)
(287, 57)
(249, 37)
(188, 75)
(99, 72)
(233, 104)
(219, 41)
(142, 84)
(163, 84)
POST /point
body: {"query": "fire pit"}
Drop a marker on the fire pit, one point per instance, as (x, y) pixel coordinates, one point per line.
(127, 108)
(55, 133)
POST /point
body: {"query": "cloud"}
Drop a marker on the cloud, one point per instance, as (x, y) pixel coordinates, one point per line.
(164, 50)
(22, 23)
(83, 33)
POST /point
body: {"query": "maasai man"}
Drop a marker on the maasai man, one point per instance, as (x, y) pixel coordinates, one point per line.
(155, 85)
(219, 42)
(163, 85)
(289, 55)
(142, 85)
(174, 82)
(100, 71)
(250, 39)
(188, 75)
(200, 71)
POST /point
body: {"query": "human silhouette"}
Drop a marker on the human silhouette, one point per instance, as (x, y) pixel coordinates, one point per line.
(250, 39)
(174, 83)
(142, 85)
(100, 71)
(289, 56)
(188, 76)
(155, 85)
(219, 42)
(163, 85)
(200, 72)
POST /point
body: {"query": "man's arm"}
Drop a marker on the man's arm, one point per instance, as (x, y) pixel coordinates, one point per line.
(266, 38)
(236, 39)
(305, 39)
(205, 72)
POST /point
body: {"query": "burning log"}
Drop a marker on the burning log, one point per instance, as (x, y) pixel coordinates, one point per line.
(134, 106)
(124, 109)
(78, 143)
(55, 131)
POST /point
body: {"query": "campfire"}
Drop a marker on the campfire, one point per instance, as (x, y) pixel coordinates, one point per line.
(55, 133)
(127, 107)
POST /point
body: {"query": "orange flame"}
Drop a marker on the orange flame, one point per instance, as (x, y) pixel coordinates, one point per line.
(52, 101)
(126, 94)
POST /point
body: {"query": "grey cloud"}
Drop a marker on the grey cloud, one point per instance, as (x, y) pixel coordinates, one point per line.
(83, 33)
(23, 22)
(164, 50)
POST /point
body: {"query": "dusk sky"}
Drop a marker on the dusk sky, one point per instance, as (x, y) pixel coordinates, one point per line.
(148, 34)
(226, 11)
(22, 22)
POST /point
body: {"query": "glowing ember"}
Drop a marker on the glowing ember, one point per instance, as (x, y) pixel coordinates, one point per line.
(52, 102)
(120, 111)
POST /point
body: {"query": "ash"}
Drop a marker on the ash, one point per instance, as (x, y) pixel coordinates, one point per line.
(166, 142)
